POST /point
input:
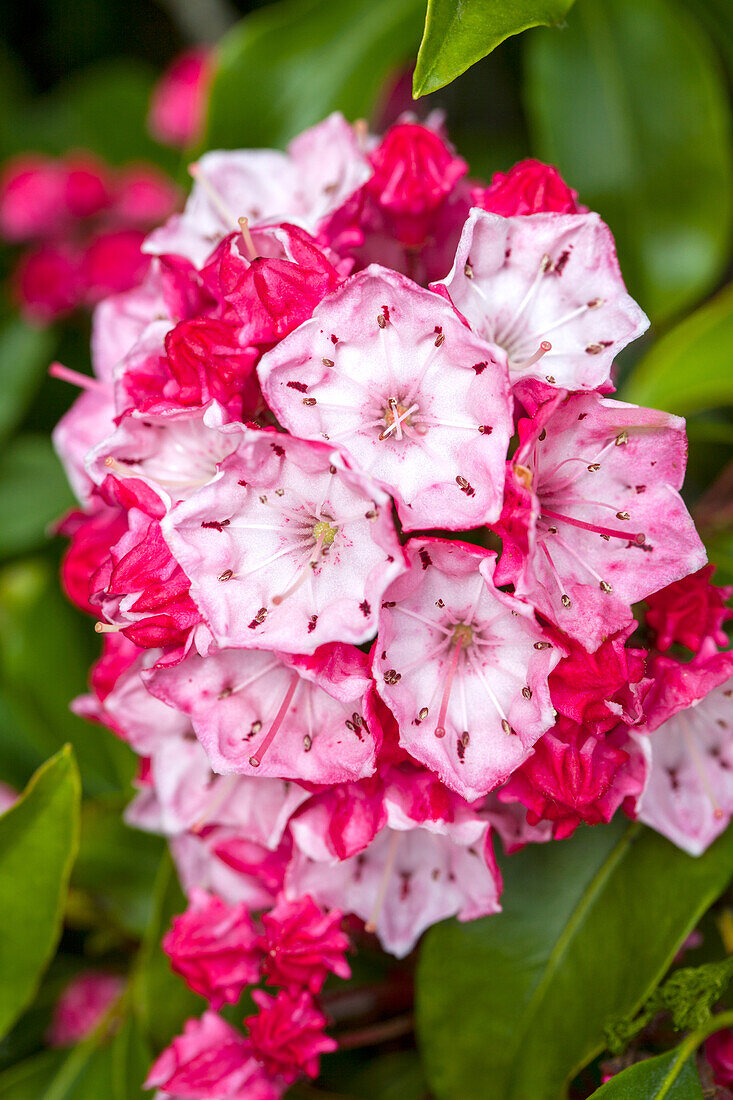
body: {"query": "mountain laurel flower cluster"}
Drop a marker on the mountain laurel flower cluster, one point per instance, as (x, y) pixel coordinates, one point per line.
(365, 533)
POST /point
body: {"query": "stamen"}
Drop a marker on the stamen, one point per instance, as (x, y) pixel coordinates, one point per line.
(76, 378)
(423, 619)
(476, 667)
(564, 320)
(303, 573)
(249, 244)
(543, 349)
(213, 195)
(504, 336)
(250, 680)
(109, 628)
(256, 760)
(628, 536)
(371, 924)
(440, 727)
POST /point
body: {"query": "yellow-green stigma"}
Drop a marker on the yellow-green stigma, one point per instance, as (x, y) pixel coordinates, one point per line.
(324, 533)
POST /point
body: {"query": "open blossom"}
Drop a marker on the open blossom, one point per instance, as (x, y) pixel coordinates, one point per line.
(593, 521)
(213, 946)
(689, 793)
(82, 1006)
(574, 776)
(261, 712)
(301, 945)
(321, 169)
(530, 187)
(402, 852)
(386, 372)
(689, 611)
(547, 289)
(463, 667)
(286, 548)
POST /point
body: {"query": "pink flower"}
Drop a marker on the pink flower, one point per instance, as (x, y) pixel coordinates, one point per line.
(144, 196)
(548, 290)
(529, 187)
(286, 548)
(387, 372)
(32, 194)
(401, 853)
(593, 521)
(210, 1061)
(213, 947)
(287, 1035)
(689, 611)
(261, 712)
(82, 1006)
(113, 262)
(87, 187)
(719, 1053)
(179, 98)
(463, 667)
(302, 945)
(574, 776)
(48, 282)
(689, 795)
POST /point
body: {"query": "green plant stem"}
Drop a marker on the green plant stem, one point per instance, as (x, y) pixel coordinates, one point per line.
(689, 1045)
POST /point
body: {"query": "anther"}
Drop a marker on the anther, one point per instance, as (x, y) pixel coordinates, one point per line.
(327, 362)
(423, 713)
(566, 601)
(594, 467)
(309, 401)
(594, 303)
(439, 340)
(382, 321)
(543, 645)
(527, 692)
(621, 438)
(468, 271)
(606, 587)
(506, 727)
(226, 575)
(623, 515)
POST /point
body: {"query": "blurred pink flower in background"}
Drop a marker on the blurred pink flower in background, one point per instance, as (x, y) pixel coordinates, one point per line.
(179, 99)
(82, 1006)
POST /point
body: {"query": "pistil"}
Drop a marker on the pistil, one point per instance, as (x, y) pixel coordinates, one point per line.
(269, 737)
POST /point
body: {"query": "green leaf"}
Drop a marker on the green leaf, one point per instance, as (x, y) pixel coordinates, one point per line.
(163, 1002)
(459, 33)
(666, 1077)
(510, 1006)
(25, 353)
(26, 1080)
(33, 493)
(395, 1076)
(39, 837)
(689, 369)
(719, 545)
(289, 65)
(45, 651)
(631, 105)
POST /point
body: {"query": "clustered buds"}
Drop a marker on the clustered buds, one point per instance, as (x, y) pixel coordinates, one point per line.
(349, 375)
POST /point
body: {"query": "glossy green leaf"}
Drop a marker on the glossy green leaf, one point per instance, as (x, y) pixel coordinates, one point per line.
(33, 493)
(669, 1076)
(458, 34)
(26, 1080)
(691, 367)
(39, 837)
(631, 105)
(395, 1076)
(289, 65)
(511, 1006)
(46, 648)
(162, 1000)
(25, 353)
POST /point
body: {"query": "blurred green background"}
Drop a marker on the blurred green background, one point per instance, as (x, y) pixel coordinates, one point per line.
(629, 98)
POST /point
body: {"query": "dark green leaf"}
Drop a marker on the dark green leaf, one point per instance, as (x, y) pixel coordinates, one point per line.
(666, 1077)
(288, 66)
(45, 651)
(33, 493)
(27, 1080)
(39, 837)
(689, 369)
(25, 353)
(460, 33)
(395, 1076)
(509, 1007)
(162, 1000)
(631, 105)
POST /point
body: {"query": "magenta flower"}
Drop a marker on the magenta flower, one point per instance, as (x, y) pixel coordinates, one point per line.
(530, 187)
(82, 1006)
(463, 667)
(213, 947)
(302, 944)
(690, 611)
(287, 1035)
(178, 101)
(386, 372)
